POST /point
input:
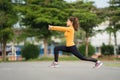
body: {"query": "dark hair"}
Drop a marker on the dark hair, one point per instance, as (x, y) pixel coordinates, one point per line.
(75, 22)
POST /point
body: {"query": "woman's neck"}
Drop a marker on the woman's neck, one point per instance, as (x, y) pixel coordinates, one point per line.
(71, 26)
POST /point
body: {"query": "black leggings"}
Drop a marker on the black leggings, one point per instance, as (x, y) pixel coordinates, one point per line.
(73, 50)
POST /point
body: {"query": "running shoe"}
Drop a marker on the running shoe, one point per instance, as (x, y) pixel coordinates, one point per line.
(98, 64)
(54, 65)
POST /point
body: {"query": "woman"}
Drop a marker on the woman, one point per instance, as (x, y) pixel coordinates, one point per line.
(72, 26)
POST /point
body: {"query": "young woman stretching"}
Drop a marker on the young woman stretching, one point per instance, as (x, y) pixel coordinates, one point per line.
(72, 26)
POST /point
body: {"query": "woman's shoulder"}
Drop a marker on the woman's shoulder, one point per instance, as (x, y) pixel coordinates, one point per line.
(70, 29)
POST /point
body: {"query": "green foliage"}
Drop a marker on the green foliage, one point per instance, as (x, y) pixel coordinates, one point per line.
(39, 14)
(7, 14)
(85, 11)
(109, 30)
(8, 17)
(107, 49)
(91, 49)
(30, 51)
(102, 14)
(6, 33)
(114, 3)
(114, 17)
(87, 22)
(114, 14)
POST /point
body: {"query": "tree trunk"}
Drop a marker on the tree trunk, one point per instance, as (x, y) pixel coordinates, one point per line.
(45, 47)
(115, 48)
(1, 49)
(4, 51)
(115, 37)
(110, 39)
(87, 44)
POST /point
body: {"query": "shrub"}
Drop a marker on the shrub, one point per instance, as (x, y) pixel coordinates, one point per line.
(107, 49)
(91, 49)
(30, 51)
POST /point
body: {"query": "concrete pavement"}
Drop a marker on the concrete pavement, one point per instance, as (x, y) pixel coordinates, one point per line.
(71, 70)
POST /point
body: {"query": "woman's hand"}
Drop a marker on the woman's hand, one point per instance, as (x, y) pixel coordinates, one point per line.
(49, 27)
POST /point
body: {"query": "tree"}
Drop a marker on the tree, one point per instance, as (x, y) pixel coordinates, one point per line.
(38, 14)
(88, 23)
(114, 3)
(88, 19)
(114, 18)
(7, 19)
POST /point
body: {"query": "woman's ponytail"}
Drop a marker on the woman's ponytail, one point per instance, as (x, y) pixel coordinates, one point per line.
(75, 22)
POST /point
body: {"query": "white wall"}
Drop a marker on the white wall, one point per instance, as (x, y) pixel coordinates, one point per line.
(101, 38)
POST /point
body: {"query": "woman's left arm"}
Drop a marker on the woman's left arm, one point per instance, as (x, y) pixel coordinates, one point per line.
(58, 28)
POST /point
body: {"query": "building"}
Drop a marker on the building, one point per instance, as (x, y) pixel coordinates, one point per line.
(103, 37)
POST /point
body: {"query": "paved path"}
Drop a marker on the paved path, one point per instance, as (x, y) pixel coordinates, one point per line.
(71, 70)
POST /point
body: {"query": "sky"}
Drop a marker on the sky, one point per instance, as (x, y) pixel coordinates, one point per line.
(98, 3)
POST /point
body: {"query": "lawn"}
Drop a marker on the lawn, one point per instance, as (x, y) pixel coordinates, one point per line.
(112, 64)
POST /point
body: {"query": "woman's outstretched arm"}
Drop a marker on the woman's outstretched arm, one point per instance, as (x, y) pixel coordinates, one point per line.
(58, 28)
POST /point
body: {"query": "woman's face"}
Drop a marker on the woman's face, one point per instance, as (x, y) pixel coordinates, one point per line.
(69, 23)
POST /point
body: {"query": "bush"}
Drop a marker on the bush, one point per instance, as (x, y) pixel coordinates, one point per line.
(30, 51)
(91, 49)
(107, 49)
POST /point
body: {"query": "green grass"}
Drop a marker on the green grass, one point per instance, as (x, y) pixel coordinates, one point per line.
(113, 64)
(0, 61)
(61, 58)
(71, 58)
(109, 58)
